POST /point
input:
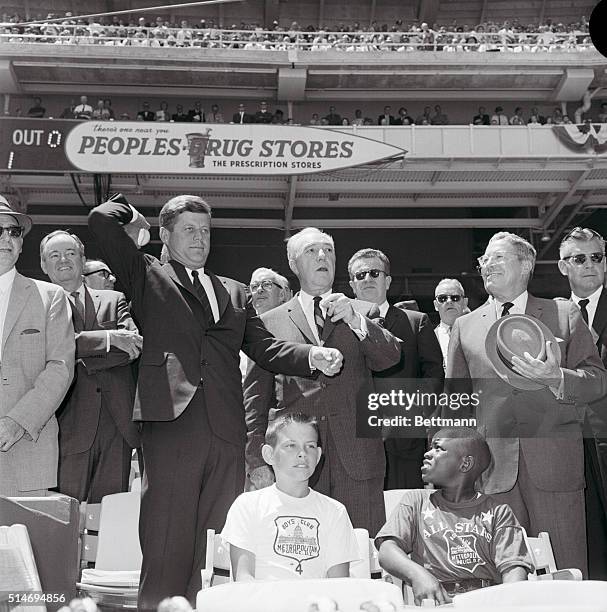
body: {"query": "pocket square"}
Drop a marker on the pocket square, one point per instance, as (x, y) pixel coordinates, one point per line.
(29, 330)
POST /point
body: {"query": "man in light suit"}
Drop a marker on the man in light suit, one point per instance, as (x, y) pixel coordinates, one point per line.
(542, 478)
(421, 358)
(36, 366)
(189, 393)
(96, 430)
(353, 468)
(582, 261)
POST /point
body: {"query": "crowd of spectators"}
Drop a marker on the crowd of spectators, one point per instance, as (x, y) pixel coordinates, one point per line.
(519, 115)
(511, 36)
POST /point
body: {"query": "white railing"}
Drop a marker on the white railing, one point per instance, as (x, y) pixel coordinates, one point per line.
(320, 41)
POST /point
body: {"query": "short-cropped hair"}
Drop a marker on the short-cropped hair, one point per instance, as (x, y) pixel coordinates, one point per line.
(180, 204)
(581, 234)
(60, 232)
(473, 442)
(524, 249)
(450, 281)
(296, 243)
(279, 279)
(369, 254)
(277, 425)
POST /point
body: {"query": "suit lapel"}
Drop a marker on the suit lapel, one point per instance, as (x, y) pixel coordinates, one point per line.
(178, 273)
(222, 294)
(92, 302)
(534, 307)
(20, 294)
(600, 316)
(298, 317)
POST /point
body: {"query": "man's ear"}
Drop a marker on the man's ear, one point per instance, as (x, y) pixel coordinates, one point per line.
(436, 305)
(267, 452)
(388, 282)
(562, 265)
(467, 463)
(293, 266)
(353, 285)
(164, 235)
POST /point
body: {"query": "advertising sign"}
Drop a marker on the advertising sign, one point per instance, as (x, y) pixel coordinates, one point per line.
(186, 148)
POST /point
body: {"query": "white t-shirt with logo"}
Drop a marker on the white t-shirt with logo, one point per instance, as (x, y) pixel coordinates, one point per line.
(291, 537)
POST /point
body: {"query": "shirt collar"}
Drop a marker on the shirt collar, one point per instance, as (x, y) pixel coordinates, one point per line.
(444, 327)
(383, 309)
(199, 270)
(593, 297)
(519, 304)
(80, 291)
(307, 300)
(6, 279)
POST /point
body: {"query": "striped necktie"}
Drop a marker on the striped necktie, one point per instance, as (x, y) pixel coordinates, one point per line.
(582, 304)
(318, 318)
(78, 305)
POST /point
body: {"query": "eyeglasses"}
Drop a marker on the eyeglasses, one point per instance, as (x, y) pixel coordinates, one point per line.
(14, 231)
(443, 297)
(265, 285)
(105, 273)
(580, 258)
(374, 273)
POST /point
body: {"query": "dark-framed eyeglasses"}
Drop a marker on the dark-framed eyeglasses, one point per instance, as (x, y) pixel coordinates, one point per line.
(14, 231)
(105, 273)
(580, 258)
(443, 297)
(373, 273)
(266, 285)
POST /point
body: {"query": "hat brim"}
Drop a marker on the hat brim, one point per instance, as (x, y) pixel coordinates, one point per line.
(25, 221)
(502, 370)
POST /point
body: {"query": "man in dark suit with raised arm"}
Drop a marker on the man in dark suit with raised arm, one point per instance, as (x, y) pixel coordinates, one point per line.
(353, 468)
(420, 366)
(189, 394)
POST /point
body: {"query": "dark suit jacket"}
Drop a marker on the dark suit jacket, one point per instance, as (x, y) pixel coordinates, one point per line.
(389, 118)
(420, 358)
(246, 118)
(179, 355)
(554, 463)
(338, 398)
(260, 117)
(101, 377)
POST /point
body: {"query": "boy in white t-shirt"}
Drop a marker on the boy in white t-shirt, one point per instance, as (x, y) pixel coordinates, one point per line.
(287, 530)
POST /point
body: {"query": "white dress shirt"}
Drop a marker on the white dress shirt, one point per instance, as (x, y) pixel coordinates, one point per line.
(591, 306)
(443, 334)
(519, 307)
(6, 286)
(207, 284)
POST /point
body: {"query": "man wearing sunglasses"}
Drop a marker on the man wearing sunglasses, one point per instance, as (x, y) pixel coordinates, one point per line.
(582, 261)
(541, 478)
(97, 275)
(450, 302)
(37, 364)
(352, 470)
(420, 365)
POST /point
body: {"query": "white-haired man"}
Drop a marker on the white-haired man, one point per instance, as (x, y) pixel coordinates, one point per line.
(542, 478)
(268, 289)
(450, 302)
(353, 468)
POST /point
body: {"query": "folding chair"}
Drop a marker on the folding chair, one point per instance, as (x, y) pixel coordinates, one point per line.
(542, 556)
(114, 581)
(217, 567)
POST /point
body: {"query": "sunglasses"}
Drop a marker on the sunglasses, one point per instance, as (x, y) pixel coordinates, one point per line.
(374, 273)
(443, 297)
(14, 231)
(580, 258)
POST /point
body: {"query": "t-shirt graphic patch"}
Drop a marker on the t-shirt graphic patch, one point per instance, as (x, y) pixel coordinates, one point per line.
(297, 539)
(461, 551)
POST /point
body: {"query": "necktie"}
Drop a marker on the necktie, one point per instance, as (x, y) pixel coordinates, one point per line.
(506, 306)
(78, 305)
(204, 299)
(318, 318)
(582, 304)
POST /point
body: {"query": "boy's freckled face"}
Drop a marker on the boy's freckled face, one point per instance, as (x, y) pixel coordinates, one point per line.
(296, 453)
(442, 462)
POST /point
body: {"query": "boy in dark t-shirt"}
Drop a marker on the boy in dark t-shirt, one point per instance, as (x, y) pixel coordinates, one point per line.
(458, 539)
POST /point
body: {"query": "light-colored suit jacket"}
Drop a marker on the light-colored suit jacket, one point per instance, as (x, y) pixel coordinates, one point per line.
(554, 456)
(340, 399)
(36, 370)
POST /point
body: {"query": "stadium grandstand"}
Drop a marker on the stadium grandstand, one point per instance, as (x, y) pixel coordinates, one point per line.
(410, 74)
